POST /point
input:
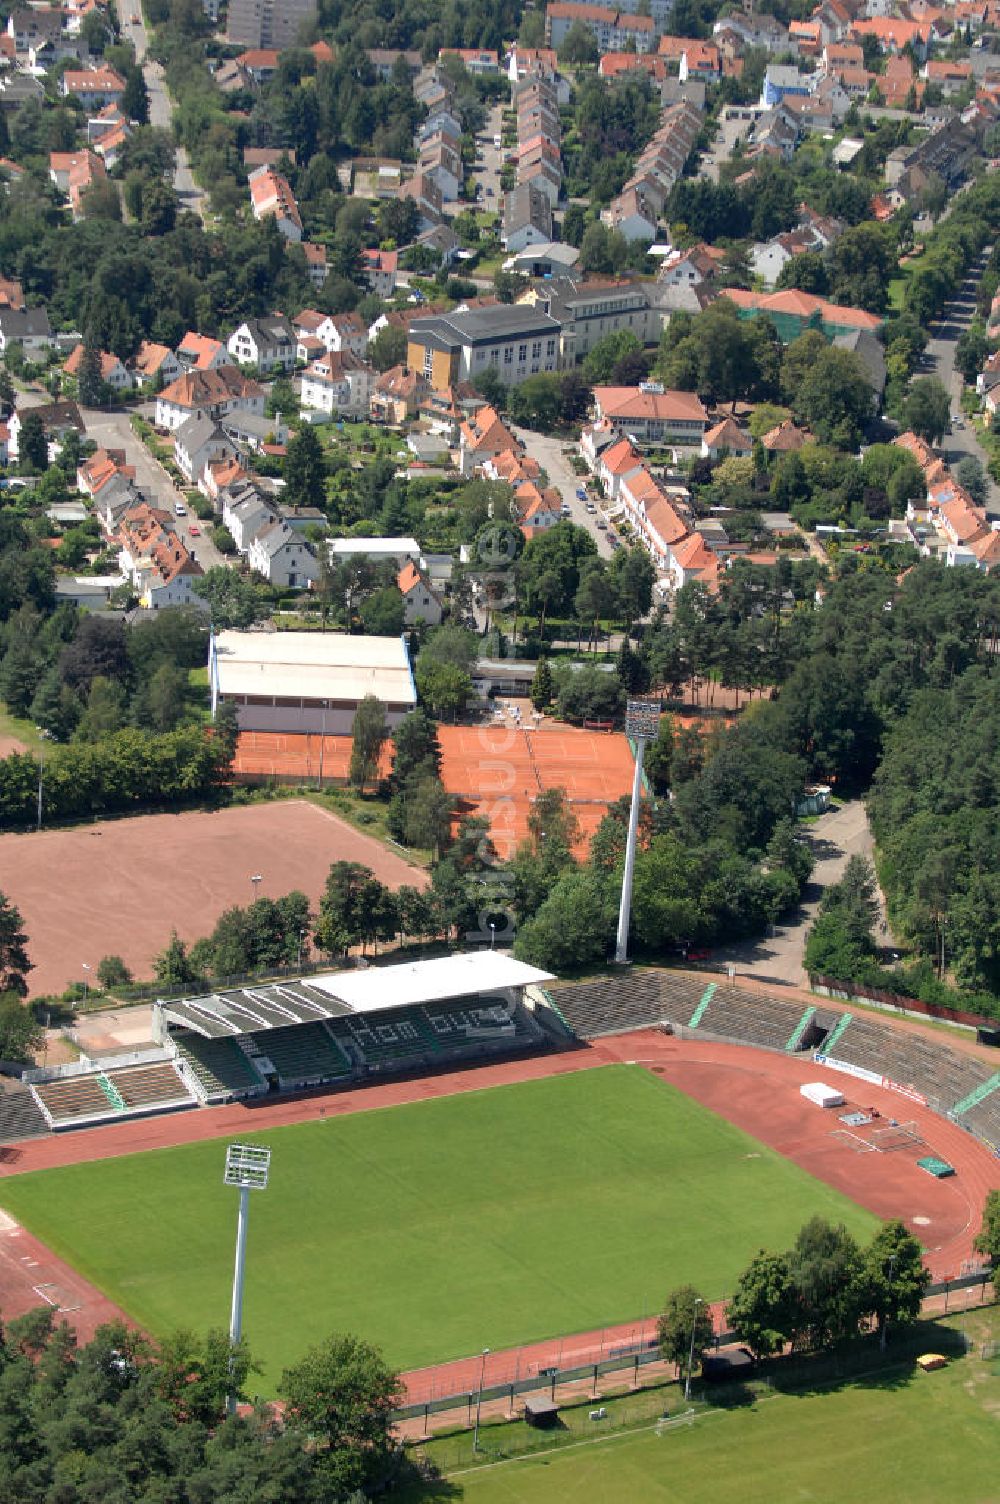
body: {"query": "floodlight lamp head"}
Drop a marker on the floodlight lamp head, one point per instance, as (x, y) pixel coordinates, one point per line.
(247, 1166)
(642, 719)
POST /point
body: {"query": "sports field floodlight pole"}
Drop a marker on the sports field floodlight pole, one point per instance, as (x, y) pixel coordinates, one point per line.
(479, 1401)
(642, 722)
(694, 1327)
(247, 1168)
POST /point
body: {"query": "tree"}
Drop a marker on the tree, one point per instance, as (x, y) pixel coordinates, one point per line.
(893, 1277)
(988, 1237)
(603, 250)
(14, 963)
(368, 736)
(761, 1312)
(305, 469)
(536, 402)
(340, 922)
(553, 827)
(428, 814)
(416, 750)
(232, 600)
(112, 972)
(383, 613)
(339, 1399)
(927, 409)
(105, 711)
(686, 1317)
(21, 1035)
(826, 1272)
(541, 685)
(970, 474)
(601, 359)
(33, 447)
(595, 596)
(135, 100)
(444, 687)
(388, 348)
(573, 928)
(835, 397)
(89, 381)
(173, 967)
(579, 45)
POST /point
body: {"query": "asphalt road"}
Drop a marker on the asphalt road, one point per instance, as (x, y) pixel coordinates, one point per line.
(112, 430)
(548, 452)
(488, 170)
(939, 361)
(834, 838)
(160, 109)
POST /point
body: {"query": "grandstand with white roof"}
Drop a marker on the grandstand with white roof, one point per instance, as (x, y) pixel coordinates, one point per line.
(334, 1027)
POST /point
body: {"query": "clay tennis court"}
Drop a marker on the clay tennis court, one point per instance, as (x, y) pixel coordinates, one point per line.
(495, 771)
(9, 745)
(118, 887)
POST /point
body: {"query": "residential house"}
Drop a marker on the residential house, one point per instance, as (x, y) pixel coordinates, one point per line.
(692, 560)
(479, 61)
(245, 511)
(30, 27)
(426, 195)
(651, 415)
(482, 435)
(384, 60)
(210, 394)
(537, 510)
(950, 77)
(380, 269)
(441, 161)
(255, 432)
(396, 396)
(378, 177)
(700, 60)
(726, 438)
(618, 460)
(74, 173)
(316, 262)
(268, 344)
(527, 219)
(780, 81)
(155, 366)
(93, 88)
(634, 214)
(282, 557)
(199, 352)
(27, 327)
(344, 333)
(113, 372)
(784, 438)
(271, 196)
(259, 63)
(340, 383)
(199, 442)
(421, 602)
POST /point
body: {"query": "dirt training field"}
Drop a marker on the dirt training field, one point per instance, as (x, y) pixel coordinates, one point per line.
(118, 887)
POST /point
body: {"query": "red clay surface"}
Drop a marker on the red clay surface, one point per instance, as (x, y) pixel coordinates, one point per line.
(32, 1276)
(118, 887)
(754, 1089)
(495, 771)
(10, 745)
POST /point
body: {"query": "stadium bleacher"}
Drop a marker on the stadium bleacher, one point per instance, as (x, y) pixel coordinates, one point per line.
(219, 1068)
(612, 1004)
(20, 1116)
(117, 1093)
(984, 1119)
(150, 1086)
(73, 1097)
(942, 1075)
(302, 1054)
(750, 1017)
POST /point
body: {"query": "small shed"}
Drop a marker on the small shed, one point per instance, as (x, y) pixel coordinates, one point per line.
(821, 1095)
(726, 1365)
(539, 1410)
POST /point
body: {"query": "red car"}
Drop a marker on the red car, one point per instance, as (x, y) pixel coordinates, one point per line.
(194, 531)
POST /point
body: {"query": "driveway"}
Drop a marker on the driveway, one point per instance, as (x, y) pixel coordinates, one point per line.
(834, 838)
(112, 430)
(939, 361)
(160, 110)
(548, 452)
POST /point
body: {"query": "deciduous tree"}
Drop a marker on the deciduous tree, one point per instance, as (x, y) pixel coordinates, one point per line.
(368, 737)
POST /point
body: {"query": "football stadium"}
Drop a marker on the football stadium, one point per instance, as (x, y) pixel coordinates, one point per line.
(468, 1155)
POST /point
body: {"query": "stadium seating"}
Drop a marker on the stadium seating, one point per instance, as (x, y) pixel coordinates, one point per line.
(19, 1114)
(391, 1040)
(303, 1053)
(218, 1066)
(941, 1074)
(750, 1017)
(613, 1004)
(984, 1120)
(148, 1086)
(74, 1097)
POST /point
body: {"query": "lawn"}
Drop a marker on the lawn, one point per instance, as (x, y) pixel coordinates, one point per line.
(899, 1435)
(439, 1228)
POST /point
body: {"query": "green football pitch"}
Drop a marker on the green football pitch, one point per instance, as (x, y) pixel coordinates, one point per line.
(438, 1228)
(904, 1436)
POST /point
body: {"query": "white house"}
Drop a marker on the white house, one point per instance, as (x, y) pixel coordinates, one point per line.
(339, 383)
(380, 269)
(282, 557)
(197, 443)
(268, 344)
(210, 394)
(27, 327)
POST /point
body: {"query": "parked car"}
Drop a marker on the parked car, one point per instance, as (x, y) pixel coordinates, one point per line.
(194, 531)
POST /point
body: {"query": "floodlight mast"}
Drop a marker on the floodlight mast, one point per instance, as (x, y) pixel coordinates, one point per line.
(247, 1168)
(642, 721)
